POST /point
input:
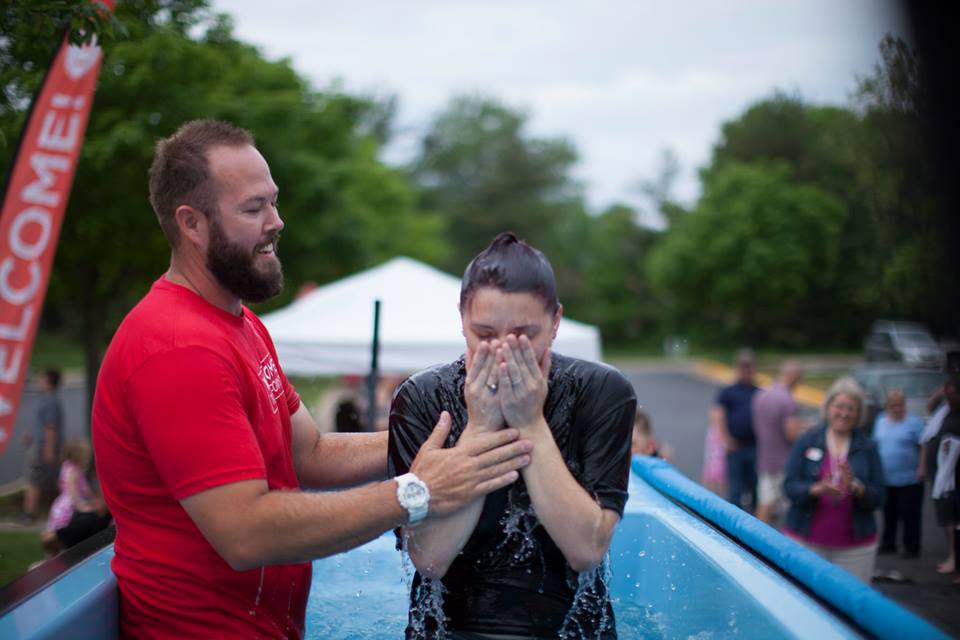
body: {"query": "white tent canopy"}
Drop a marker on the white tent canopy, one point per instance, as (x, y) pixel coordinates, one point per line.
(330, 330)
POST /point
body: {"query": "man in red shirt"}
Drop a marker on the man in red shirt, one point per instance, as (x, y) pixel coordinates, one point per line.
(203, 446)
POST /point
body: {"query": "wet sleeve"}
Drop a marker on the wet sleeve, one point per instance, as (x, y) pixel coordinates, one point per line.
(410, 426)
(190, 412)
(606, 447)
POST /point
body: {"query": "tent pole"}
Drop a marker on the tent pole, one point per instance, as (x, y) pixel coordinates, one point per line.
(374, 370)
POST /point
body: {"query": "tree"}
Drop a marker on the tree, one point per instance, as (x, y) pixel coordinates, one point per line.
(752, 260)
(343, 208)
(621, 301)
(484, 175)
(908, 214)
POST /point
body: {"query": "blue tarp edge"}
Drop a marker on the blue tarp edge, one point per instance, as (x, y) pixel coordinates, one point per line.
(871, 610)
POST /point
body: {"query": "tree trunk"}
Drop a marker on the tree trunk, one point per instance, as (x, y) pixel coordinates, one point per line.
(92, 347)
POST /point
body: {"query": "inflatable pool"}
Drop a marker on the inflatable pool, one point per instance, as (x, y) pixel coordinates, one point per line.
(684, 563)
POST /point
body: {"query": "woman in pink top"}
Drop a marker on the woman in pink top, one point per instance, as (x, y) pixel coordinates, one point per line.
(834, 480)
(75, 493)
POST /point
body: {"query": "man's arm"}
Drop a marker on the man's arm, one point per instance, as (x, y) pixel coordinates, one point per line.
(50, 445)
(718, 420)
(328, 460)
(250, 526)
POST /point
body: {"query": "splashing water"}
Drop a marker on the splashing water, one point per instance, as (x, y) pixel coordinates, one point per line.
(427, 606)
(427, 600)
(591, 604)
(519, 523)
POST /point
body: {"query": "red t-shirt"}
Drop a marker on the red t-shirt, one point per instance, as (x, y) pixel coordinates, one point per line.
(190, 397)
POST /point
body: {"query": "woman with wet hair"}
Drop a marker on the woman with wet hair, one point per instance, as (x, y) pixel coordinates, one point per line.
(526, 561)
(835, 484)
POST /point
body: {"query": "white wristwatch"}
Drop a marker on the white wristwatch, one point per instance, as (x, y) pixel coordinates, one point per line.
(414, 496)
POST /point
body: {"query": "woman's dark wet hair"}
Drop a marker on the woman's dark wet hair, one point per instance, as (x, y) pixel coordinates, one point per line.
(510, 265)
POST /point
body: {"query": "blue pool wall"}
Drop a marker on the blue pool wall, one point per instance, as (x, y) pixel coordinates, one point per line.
(667, 517)
(868, 608)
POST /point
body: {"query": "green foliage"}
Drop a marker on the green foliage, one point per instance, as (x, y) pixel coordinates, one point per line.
(621, 302)
(18, 550)
(751, 260)
(484, 175)
(344, 209)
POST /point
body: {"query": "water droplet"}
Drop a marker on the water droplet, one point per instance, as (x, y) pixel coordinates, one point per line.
(641, 553)
(636, 585)
(673, 587)
(359, 593)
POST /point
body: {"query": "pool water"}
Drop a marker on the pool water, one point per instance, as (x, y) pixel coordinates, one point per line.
(672, 577)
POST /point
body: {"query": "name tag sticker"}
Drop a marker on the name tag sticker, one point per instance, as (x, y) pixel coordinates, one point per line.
(814, 454)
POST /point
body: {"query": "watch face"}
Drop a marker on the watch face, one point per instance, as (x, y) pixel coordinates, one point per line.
(414, 494)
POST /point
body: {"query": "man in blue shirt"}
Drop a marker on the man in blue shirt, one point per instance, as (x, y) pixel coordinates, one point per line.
(733, 414)
(898, 441)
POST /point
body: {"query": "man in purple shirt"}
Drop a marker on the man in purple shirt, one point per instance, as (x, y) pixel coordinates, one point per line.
(776, 424)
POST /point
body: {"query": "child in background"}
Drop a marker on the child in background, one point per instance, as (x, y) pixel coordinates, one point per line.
(643, 441)
(714, 475)
(75, 493)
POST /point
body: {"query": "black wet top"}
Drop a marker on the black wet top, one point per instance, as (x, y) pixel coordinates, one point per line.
(510, 583)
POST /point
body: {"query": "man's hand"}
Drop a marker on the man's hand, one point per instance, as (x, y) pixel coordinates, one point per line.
(475, 467)
(483, 406)
(523, 382)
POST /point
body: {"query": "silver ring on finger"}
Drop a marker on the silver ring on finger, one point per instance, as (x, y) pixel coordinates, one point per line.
(492, 387)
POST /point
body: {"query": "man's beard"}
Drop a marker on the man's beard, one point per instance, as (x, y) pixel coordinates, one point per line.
(233, 266)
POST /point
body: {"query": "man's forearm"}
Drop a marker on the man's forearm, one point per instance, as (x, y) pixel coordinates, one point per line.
(344, 459)
(281, 527)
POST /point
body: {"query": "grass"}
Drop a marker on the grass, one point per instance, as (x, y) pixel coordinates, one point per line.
(18, 550)
(56, 351)
(11, 505)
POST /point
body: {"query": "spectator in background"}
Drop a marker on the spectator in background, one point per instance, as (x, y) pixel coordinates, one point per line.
(643, 440)
(898, 440)
(733, 416)
(834, 481)
(76, 496)
(714, 474)
(44, 445)
(944, 489)
(776, 424)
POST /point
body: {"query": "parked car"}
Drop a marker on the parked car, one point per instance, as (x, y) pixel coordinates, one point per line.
(917, 385)
(906, 342)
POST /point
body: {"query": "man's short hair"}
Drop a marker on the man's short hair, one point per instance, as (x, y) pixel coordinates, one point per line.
(744, 356)
(511, 266)
(180, 173)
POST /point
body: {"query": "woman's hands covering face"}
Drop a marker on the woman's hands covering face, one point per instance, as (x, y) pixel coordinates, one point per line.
(480, 389)
(522, 381)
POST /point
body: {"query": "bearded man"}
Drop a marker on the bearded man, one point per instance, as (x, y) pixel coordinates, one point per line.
(203, 445)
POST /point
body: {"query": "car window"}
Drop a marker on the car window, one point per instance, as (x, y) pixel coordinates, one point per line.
(916, 384)
(914, 339)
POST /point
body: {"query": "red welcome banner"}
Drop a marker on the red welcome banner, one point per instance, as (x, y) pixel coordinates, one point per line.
(36, 197)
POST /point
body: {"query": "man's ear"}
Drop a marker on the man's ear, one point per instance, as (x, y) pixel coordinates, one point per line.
(192, 224)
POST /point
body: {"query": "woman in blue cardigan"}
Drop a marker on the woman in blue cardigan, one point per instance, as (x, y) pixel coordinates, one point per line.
(834, 480)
